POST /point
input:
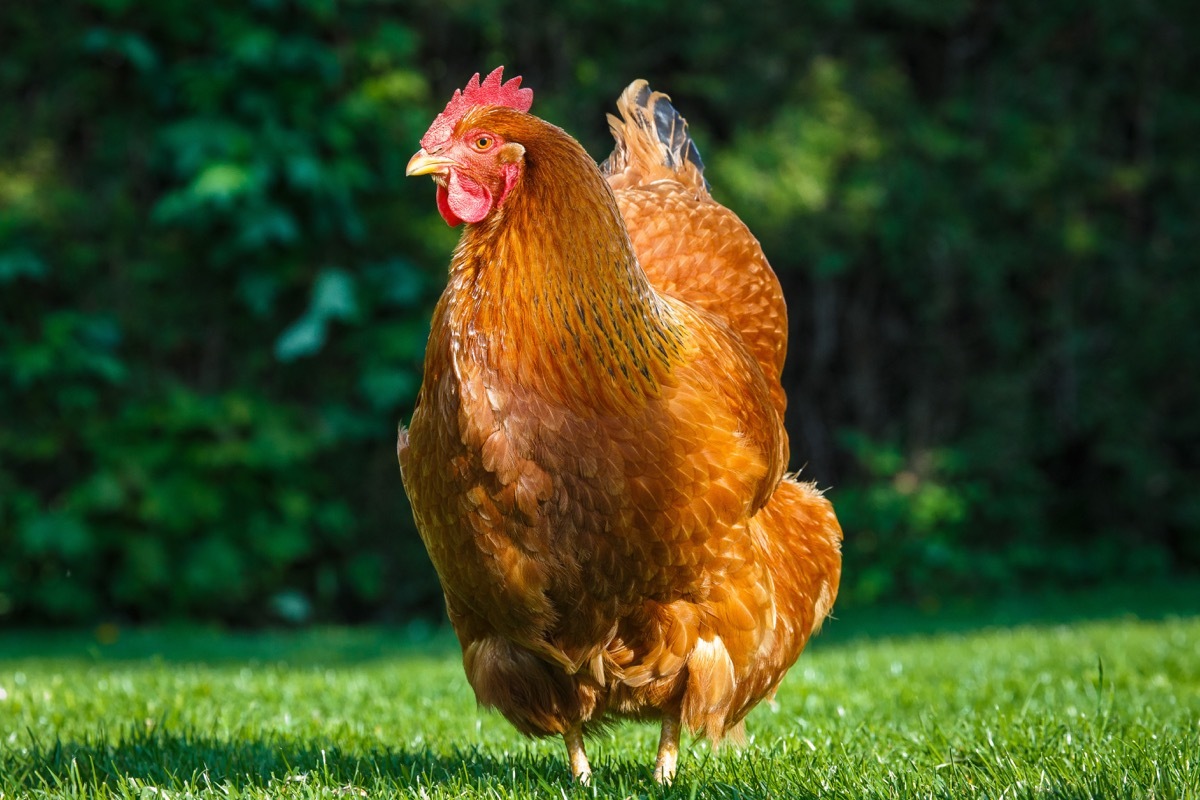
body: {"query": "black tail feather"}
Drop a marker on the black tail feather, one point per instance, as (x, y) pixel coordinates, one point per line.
(657, 120)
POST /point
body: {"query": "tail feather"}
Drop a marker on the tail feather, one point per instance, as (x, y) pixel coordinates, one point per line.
(652, 142)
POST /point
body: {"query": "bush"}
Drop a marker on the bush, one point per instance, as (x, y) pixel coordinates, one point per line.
(215, 283)
(203, 353)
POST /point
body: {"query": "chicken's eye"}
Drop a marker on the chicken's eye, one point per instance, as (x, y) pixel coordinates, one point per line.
(483, 142)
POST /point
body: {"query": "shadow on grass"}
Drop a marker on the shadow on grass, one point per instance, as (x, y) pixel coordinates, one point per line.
(192, 762)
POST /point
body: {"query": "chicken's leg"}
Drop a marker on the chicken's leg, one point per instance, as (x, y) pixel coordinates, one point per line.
(580, 769)
(668, 752)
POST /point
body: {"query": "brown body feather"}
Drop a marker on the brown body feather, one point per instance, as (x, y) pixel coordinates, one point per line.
(596, 459)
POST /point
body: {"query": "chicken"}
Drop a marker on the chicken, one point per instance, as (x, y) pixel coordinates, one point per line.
(596, 459)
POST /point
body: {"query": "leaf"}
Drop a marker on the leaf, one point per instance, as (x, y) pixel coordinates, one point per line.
(258, 291)
(292, 606)
(305, 172)
(132, 47)
(56, 533)
(303, 337)
(16, 264)
(214, 570)
(267, 226)
(397, 87)
(221, 181)
(334, 295)
(99, 332)
(388, 388)
(398, 281)
(103, 491)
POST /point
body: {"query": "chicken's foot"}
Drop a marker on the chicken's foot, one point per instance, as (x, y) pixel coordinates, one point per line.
(581, 770)
(668, 752)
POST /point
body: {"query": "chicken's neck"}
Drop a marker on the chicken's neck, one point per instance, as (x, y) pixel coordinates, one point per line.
(550, 295)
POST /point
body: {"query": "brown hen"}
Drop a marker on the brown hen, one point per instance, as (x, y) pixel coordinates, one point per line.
(595, 462)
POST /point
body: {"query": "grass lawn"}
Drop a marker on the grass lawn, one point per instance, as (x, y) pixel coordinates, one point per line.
(882, 705)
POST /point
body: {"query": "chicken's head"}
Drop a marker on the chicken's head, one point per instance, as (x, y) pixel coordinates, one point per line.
(474, 165)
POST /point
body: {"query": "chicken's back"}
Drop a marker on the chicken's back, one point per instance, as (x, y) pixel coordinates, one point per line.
(690, 246)
(695, 249)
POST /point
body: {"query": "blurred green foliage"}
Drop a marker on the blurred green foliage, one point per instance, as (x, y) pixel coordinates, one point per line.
(212, 309)
(215, 282)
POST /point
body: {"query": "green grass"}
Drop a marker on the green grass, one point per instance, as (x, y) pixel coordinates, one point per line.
(1098, 708)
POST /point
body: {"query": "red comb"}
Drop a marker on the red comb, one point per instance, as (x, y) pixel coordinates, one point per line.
(492, 92)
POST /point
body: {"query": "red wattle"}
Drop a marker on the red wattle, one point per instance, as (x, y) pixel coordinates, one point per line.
(443, 207)
(469, 200)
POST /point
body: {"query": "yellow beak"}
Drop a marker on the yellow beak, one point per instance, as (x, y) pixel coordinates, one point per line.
(424, 164)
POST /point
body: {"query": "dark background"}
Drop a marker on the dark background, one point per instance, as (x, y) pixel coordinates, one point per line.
(215, 281)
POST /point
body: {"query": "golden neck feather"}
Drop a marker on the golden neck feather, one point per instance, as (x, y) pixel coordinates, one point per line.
(549, 293)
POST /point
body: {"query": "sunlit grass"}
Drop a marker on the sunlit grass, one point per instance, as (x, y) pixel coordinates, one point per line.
(1093, 709)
